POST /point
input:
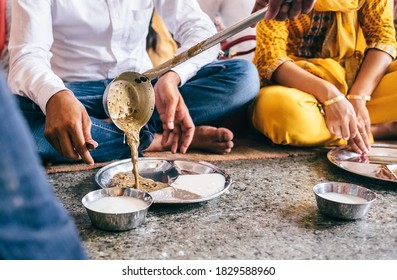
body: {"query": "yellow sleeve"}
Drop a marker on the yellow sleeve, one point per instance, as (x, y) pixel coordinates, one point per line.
(376, 19)
(271, 48)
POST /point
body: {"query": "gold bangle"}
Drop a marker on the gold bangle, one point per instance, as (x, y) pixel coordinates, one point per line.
(333, 100)
(359, 97)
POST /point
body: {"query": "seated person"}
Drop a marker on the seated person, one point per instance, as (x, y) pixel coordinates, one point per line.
(33, 223)
(328, 77)
(160, 44)
(63, 56)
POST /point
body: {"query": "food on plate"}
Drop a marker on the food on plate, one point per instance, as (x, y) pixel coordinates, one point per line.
(126, 180)
(385, 172)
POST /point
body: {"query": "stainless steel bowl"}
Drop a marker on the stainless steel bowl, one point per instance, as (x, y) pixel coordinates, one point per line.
(117, 219)
(343, 200)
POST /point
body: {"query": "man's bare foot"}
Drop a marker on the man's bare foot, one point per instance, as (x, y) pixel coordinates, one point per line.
(209, 138)
(216, 140)
(384, 131)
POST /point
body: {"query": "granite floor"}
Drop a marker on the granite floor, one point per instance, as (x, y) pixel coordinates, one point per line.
(269, 213)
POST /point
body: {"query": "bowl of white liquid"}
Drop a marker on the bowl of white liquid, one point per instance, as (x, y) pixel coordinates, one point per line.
(343, 200)
(117, 209)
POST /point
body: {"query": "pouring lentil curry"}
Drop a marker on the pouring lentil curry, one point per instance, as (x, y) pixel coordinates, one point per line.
(125, 112)
(129, 99)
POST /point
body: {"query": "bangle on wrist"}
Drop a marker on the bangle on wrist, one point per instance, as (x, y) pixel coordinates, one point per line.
(333, 100)
(359, 97)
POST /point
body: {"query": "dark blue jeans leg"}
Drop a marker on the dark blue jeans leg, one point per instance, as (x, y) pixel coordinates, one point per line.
(33, 224)
(110, 139)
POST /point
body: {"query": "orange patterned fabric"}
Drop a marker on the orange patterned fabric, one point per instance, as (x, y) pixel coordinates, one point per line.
(311, 43)
(395, 15)
(304, 36)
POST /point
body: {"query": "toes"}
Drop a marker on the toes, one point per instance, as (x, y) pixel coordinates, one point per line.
(227, 137)
(216, 140)
(223, 147)
(224, 135)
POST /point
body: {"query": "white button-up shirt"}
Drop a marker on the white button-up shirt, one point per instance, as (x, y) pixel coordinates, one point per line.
(53, 41)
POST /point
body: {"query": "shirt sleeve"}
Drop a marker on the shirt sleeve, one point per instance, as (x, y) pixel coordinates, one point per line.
(189, 26)
(29, 47)
(271, 48)
(376, 19)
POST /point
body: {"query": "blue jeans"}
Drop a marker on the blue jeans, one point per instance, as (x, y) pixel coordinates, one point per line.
(219, 90)
(33, 224)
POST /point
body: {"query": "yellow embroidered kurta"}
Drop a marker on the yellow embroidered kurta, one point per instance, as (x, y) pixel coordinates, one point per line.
(330, 43)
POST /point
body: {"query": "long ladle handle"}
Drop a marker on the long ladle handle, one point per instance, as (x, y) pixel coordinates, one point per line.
(207, 43)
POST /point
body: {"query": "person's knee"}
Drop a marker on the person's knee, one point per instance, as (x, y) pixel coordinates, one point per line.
(245, 79)
(250, 74)
(245, 71)
(268, 113)
(288, 118)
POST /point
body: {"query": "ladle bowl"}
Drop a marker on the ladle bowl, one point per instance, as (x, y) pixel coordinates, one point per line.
(129, 96)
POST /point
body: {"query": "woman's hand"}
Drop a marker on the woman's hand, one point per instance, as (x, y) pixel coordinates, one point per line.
(364, 126)
(178, 126)
(372, 70)
(341, 119)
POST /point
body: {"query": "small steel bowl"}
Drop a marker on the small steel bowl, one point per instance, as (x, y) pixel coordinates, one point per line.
(343, 200)
(111, 217)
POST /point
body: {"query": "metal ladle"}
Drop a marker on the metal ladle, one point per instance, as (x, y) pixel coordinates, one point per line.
(130, 96)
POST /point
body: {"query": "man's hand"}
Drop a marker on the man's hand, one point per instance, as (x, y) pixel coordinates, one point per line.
(279, 10)
(68, 127)
(178, 127)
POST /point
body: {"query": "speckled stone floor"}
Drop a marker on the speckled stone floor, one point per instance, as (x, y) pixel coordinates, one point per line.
(269, 213)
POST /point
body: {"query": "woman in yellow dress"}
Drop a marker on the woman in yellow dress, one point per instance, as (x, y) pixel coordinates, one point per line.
(328, 77)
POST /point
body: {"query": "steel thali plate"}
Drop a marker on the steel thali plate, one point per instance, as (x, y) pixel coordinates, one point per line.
(380, 163)
(202, 181)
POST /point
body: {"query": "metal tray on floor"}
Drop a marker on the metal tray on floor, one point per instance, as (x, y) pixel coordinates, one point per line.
(199, 173)
(380, 163)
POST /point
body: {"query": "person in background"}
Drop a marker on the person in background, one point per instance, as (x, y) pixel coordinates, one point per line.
(327, 77)
(33, 223)
(160, 44)
(225, 13)
(62, 57)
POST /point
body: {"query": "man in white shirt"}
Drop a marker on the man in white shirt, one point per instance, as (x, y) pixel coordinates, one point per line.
(63, 53)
